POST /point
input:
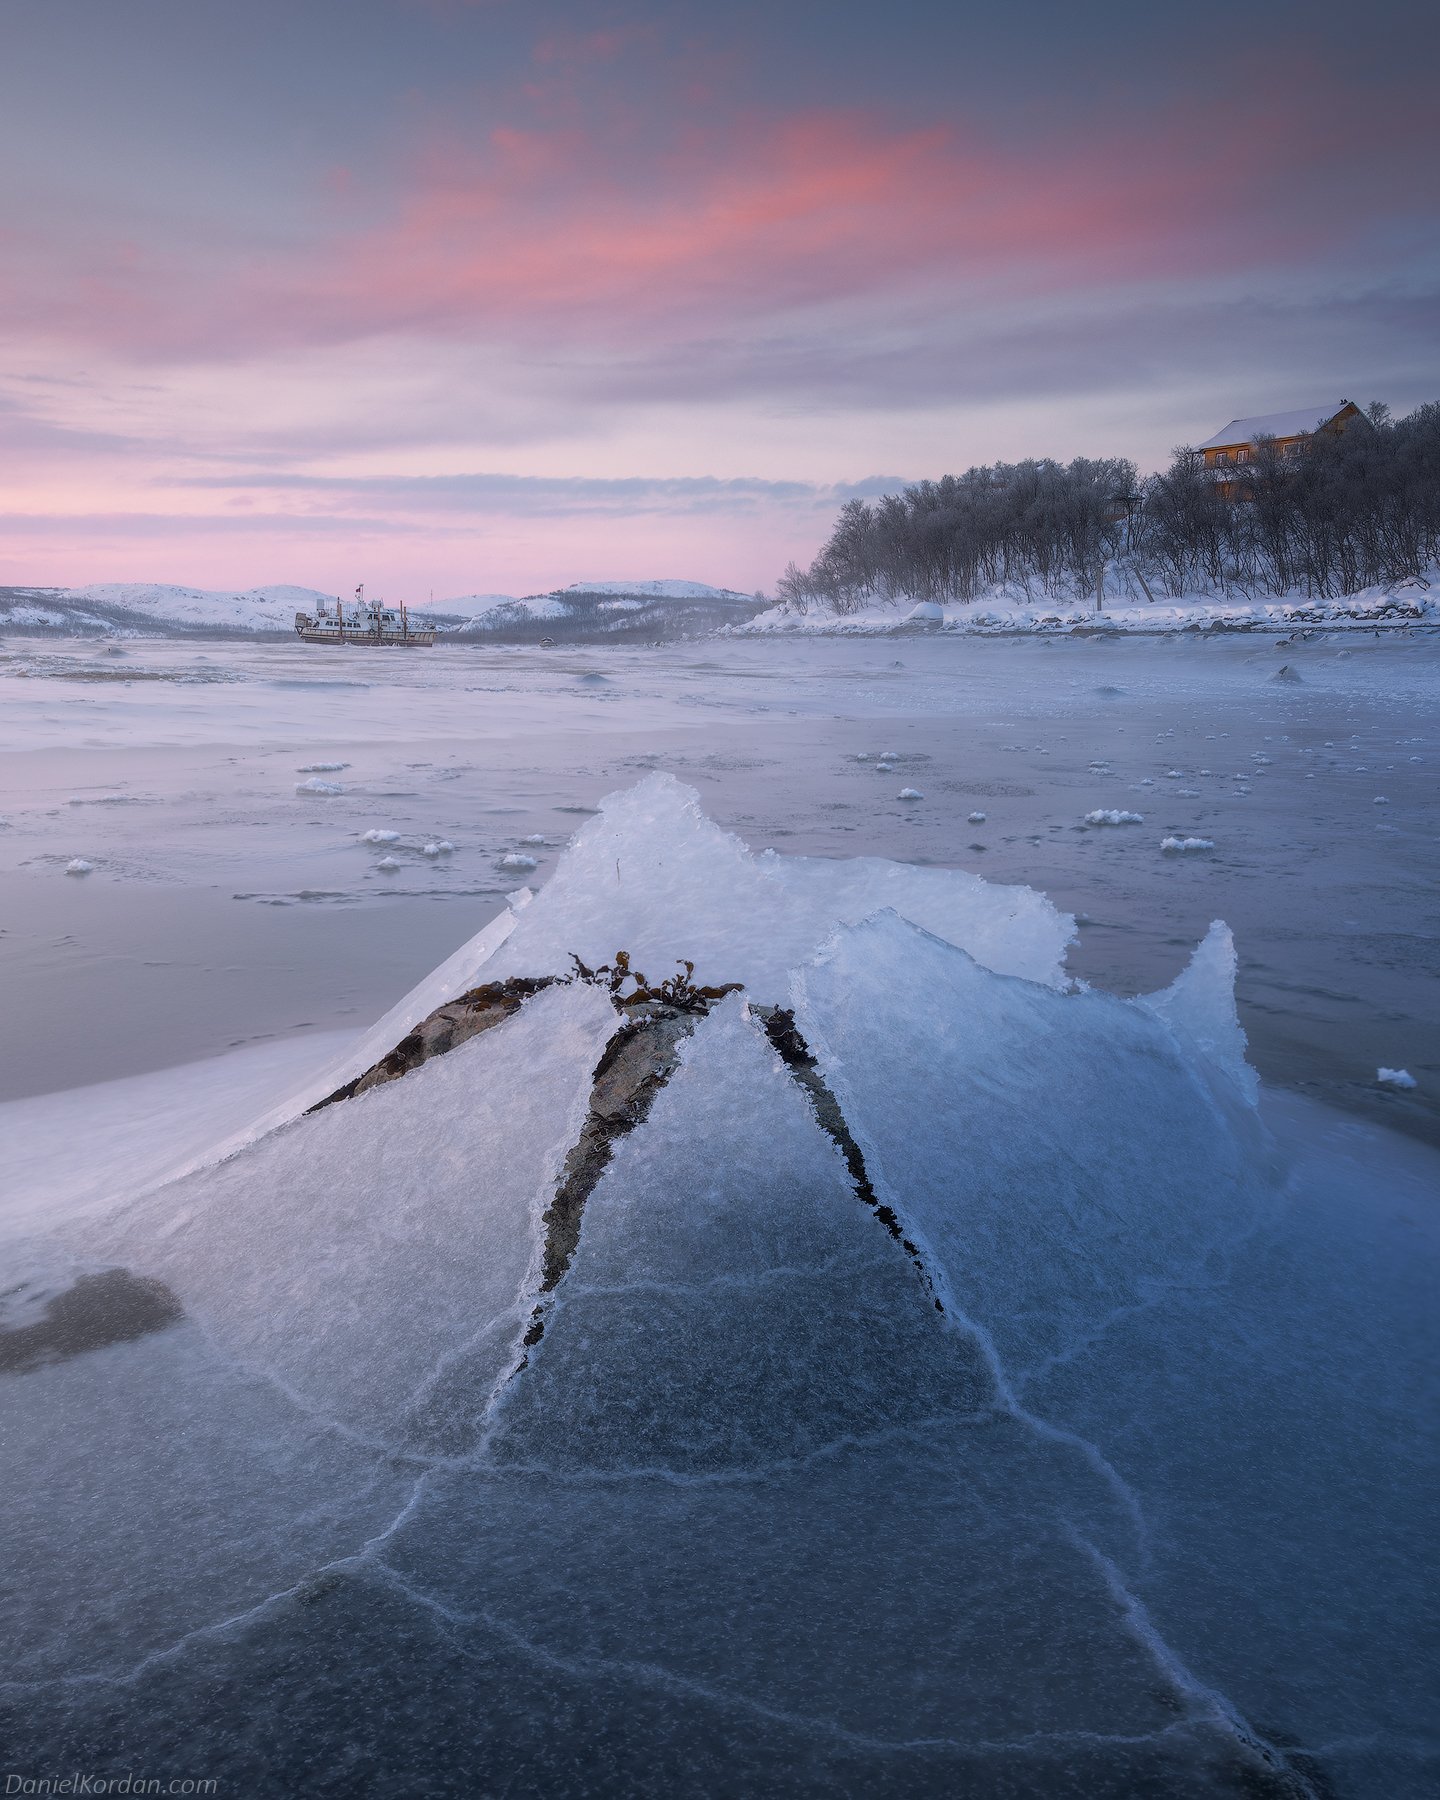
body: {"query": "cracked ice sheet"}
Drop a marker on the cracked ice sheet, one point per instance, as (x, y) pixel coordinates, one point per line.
(353, 1254)
(654, 876)
(750, 1458)
(331, 1278)
(1257, 1368)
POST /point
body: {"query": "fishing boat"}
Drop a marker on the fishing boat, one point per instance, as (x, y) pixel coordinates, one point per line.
(363, 622)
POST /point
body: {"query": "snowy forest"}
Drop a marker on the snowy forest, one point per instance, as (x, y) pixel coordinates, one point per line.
(1332, 516)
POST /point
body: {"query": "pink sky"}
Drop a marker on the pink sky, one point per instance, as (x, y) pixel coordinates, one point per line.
(558, 300)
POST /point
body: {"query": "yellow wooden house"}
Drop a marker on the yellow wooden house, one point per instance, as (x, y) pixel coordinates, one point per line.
(1237, 442)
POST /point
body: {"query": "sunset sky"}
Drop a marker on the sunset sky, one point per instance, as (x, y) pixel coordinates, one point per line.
(477, 296)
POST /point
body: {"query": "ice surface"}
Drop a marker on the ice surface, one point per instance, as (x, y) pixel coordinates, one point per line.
(93, 1147)
(1078, 1101)
(753, 1514)
(1245, 1365)
(350, 1254)
(653, 876)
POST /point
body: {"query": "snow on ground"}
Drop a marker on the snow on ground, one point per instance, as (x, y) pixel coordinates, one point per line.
(1009, 611)
(254, 609)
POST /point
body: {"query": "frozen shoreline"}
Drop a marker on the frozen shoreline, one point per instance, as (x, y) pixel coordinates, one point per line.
(1405, 606)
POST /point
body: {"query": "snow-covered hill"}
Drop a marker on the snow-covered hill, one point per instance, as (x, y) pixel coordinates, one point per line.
(578, 612)
(148, 609)
(583, 611)
(589, 611)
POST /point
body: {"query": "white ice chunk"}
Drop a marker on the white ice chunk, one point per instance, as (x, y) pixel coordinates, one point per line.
(321, 768)
(975, 818)
(516, 859)
(78, 866)
(1199, 1008)
(387, 864)
(910, 793)
(316, 786)
(376, 836)
(1182, 845)
(1111, 815)
(442, 847)
(1396, 1078)
(650, 874)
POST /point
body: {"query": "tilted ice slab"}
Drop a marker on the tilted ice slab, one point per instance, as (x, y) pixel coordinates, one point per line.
(750, 1458)
(753, 1514)
(653, 876)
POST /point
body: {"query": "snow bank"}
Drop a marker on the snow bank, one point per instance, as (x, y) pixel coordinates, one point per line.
(1005, 612)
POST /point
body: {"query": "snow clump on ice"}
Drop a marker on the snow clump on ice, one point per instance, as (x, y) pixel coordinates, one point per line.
(388, 864)
(316, 786)
(1178, 845)
(441, 847)
(376, 836)
(911, 794)
(976, 818)
(320, 768)
(1112, 815)
(78, 866)
(516, 860)
(1396, 1078)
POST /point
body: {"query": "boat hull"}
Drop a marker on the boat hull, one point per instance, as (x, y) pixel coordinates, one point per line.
(409, 640)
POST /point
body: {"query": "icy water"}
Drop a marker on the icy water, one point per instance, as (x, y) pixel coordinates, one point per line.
(955, 1382)
(223, 907)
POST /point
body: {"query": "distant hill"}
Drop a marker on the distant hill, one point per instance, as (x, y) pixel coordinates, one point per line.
(590, 612)
(584, 612)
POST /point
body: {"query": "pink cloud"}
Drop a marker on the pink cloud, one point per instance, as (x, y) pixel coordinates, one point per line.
(587, 233)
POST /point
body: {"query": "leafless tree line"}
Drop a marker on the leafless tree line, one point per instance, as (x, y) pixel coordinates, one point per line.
(1333, 515)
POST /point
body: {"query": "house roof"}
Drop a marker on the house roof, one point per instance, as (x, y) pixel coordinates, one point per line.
(1279, 425)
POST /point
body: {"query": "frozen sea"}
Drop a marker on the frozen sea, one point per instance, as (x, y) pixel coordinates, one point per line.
(964, 1380)
(224, 907)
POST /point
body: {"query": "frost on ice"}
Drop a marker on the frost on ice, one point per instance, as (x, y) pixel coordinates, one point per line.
(899, 1374)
